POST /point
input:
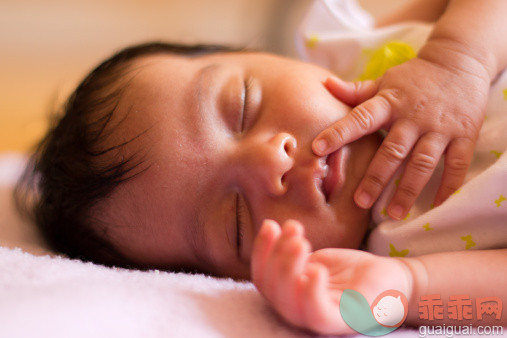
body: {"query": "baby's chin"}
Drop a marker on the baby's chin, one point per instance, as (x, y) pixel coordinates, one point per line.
(338, 235)
(351, 222)
(351, 240)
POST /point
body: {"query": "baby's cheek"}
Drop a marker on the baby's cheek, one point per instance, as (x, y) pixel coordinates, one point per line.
(313, 114)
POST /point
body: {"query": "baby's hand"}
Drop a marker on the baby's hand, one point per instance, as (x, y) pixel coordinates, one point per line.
(429, 109)
(305, 288)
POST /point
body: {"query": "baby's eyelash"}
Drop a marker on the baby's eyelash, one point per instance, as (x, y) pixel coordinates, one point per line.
(239, 223)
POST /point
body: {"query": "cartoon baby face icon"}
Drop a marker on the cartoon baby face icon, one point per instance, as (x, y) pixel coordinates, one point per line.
(390, 308)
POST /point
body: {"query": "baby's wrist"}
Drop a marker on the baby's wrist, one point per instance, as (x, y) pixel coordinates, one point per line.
(457, 56)
(417, 280)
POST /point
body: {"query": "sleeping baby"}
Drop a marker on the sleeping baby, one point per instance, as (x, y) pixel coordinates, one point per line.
(189, 158)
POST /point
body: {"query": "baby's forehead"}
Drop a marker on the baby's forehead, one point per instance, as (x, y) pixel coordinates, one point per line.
(151, 87)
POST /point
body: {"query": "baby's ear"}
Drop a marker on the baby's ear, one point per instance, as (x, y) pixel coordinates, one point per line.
(351, 93)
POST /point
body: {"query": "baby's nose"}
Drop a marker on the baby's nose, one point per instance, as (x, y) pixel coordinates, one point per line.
(272, 160)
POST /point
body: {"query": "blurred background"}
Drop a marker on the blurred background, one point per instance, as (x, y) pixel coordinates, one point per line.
(47, 47)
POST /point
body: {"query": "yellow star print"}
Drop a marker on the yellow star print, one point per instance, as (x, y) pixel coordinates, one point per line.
(468, 241)
(395, 253)
(456, 192)
(312, 41)
(496, 153)
(406, 217)
(397, 182)
(427, 227)
(389, 55)
(499, 200)
(505, 94)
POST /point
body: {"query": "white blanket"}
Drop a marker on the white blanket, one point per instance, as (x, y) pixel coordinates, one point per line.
(43, 296)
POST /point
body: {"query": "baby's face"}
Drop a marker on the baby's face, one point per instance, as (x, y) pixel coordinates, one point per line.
(227, 144)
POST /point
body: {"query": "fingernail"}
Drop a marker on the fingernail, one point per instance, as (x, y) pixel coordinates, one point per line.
(364, 200)
(396, 212)
(320, 145)
(265, 228)
(297, 229)
(290, 229)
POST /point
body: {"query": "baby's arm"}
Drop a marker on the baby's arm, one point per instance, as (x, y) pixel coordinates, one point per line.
(475, 29)
(305, 288)
(474, 273)
(432, 105)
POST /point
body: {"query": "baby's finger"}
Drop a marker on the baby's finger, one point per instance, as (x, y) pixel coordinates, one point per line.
(320, 313)
(457, 161)
(351, 93)
(276, 259)
(420, 166)
(364, 119)
(290, 269)
(263, 246)
(394, 149)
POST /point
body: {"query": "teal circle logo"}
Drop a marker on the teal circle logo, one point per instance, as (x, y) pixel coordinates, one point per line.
(387, 312)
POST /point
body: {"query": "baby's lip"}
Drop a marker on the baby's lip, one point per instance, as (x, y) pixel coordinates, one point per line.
(336, 173)
(321, 173)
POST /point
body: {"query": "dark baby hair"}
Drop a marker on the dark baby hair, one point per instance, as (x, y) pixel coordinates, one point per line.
(71, 169)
